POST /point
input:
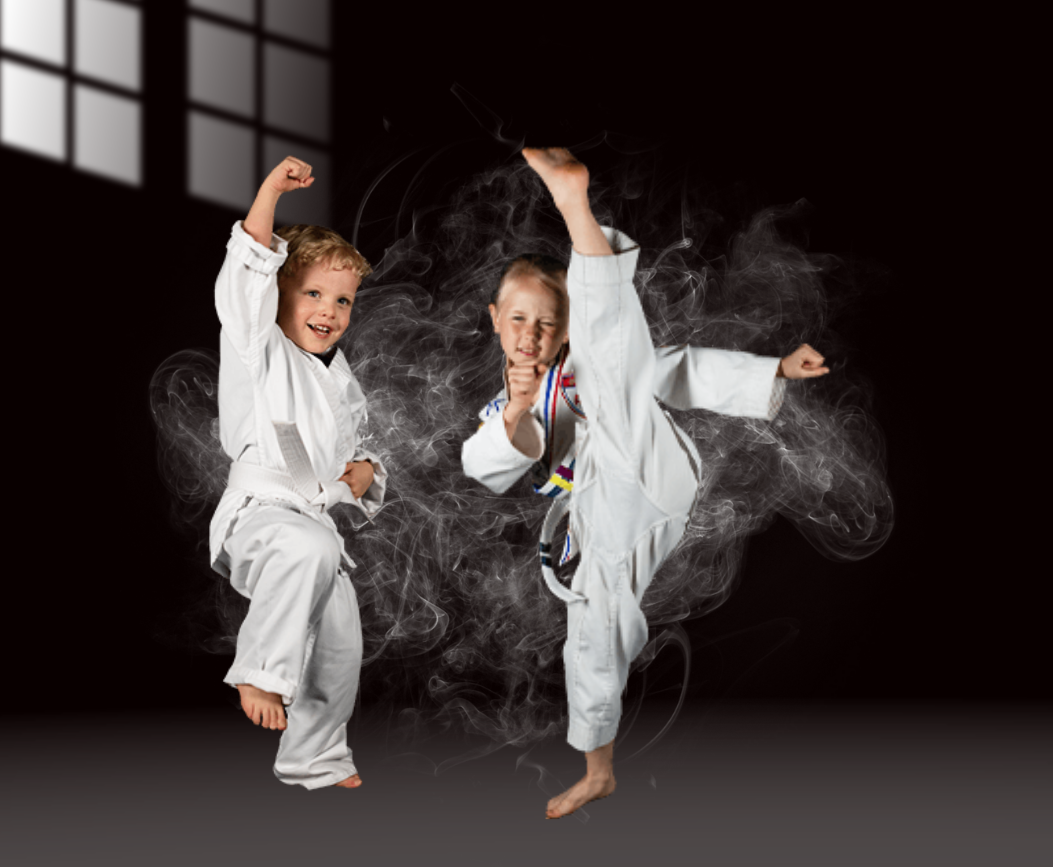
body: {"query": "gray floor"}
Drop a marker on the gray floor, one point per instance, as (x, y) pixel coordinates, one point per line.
(747, 786)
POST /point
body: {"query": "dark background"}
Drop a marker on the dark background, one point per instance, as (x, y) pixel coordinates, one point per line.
(115, 279)
(890, 131)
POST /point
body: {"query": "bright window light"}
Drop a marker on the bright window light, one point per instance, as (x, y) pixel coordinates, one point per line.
(108, 43)
(33, 110)
(222, 68)
(35, 28)
(108, 138)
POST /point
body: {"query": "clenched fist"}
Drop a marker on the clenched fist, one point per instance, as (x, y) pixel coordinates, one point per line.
(290, 174)
(524, 385)
(803, 363)
(358, 476)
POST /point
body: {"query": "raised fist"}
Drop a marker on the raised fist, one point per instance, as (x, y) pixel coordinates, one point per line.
(290, 174)
(803, 363)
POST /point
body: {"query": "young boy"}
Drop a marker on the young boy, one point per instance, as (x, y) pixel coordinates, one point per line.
(579, 406)
(289, 412)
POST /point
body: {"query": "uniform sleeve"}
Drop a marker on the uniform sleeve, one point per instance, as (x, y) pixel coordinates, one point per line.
(373, 498)
(618, 268)
(731, 383)
(247, 293)
(488, 456)
(371, 501)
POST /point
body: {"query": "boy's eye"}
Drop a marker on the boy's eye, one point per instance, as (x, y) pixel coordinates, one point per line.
(312, 292)
(346, 301)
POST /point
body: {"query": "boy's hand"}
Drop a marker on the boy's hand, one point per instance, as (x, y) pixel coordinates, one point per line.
(358, 476)
(802, 363)
(290, 174)
(524, 386)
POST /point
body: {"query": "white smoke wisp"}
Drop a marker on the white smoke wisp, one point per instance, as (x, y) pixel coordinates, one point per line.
(459, 629)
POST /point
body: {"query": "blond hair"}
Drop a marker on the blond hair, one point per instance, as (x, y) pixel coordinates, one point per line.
(549, 271)
(309, 245)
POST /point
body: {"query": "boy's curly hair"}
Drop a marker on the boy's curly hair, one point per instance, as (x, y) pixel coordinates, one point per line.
(311, 244)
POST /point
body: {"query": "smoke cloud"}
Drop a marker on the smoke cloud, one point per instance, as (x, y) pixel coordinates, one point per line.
(460, 631)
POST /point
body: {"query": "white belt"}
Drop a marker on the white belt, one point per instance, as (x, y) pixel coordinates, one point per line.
(264, 481)
(300, 481)
(548, 529)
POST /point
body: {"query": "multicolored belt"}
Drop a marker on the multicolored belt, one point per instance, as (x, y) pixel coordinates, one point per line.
(548, 530)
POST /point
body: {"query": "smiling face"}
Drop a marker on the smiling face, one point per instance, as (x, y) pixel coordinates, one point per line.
(531, 319)
(314, 305)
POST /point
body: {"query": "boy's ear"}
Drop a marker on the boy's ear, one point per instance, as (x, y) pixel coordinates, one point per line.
(493, 316)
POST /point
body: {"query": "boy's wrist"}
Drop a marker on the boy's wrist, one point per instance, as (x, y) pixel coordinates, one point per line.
(268, 193)
(514, 411)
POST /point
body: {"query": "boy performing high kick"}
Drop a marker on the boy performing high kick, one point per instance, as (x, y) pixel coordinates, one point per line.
(289, 413)
(579, 408)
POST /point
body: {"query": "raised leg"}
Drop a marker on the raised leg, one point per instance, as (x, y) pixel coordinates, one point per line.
(633, 484)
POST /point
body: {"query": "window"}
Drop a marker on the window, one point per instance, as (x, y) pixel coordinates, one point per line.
(71, 83)
(258, 89)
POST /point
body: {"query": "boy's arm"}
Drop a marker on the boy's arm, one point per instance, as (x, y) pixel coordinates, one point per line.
(290, 174)
(724, 381)
(728, 382)
(494, 458)
(362, 485)
(247, 288)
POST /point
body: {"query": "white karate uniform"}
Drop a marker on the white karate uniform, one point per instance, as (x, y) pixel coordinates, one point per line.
(271, 533)
(598, 435)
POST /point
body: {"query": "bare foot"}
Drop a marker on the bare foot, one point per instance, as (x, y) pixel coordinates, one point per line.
(263, 708)
(352, 782)
(567, 179)
(584, 790)
(568, 182)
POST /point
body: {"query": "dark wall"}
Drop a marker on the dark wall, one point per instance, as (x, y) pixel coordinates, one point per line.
(105, 282)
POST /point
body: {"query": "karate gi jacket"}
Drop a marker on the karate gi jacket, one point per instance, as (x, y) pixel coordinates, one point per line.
(265, 378)
(545, 443)
(687, 377)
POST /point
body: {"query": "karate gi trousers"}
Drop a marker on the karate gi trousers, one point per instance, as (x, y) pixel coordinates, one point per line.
(634, 488)
(302, 638)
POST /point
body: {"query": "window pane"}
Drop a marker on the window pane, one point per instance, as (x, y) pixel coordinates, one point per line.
(33, 110)
(222, 162)
(108, 40)
(305, 20)
(222, 72)
(301, 206)
(107, 138)
(296, 95)
(239, 10)
(36, 28)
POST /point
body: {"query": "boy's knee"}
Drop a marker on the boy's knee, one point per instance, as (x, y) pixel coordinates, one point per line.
(312, 543)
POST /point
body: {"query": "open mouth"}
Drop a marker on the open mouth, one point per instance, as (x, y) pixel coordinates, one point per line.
(322, 331)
